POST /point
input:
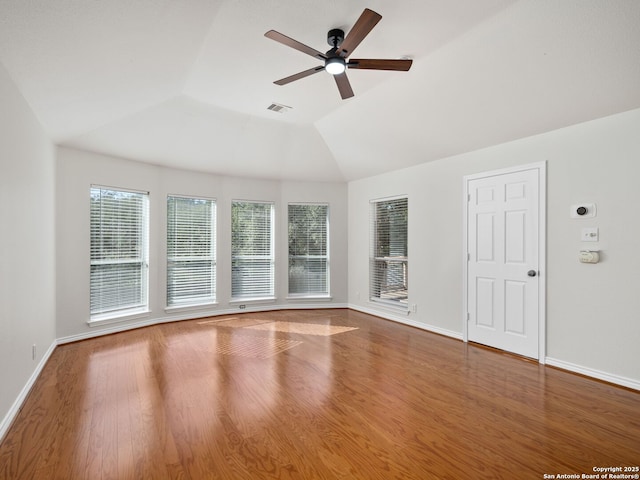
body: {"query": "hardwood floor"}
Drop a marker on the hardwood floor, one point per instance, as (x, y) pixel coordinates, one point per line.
(288, 395)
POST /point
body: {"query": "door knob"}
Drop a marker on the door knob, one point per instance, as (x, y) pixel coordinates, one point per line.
(532, 273)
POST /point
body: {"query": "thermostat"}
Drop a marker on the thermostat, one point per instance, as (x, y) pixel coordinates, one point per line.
(583, 210)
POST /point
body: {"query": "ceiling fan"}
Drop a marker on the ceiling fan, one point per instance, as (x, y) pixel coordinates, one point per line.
(335, 59)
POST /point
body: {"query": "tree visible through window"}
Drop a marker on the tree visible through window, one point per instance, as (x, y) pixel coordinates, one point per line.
(308, 249)
(119, 251)
(191, 251)
(252, 250)
(388, 271)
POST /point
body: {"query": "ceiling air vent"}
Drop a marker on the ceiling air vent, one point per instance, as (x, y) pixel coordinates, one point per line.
(279, 108)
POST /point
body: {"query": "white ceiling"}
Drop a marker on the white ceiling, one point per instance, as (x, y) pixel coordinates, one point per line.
(187, 83)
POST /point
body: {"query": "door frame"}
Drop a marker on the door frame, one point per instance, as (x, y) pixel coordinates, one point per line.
(541, 168)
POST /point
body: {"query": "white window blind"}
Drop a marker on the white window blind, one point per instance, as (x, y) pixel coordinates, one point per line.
(252, 250)
(388, 270)
(119, 251)
(191, 251)
(308, 250)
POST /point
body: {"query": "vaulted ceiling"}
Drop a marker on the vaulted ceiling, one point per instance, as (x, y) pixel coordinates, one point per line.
(188, 83)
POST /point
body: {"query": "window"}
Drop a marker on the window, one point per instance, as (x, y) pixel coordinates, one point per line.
(252, 250)
(388, 258)
(308, 250)
(119, 252)
(191, 251)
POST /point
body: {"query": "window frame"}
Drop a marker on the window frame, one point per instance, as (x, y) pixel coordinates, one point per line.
(142, 240)
(256, 258)
(192, 300)
(325, 293)
(382, 261)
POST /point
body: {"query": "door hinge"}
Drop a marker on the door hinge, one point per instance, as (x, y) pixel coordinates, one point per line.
(468, 197)
(468, 256)
(468, 316)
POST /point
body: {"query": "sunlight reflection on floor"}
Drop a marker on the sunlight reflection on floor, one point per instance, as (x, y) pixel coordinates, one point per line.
(302, 328)
(252, 347)
(285, 327)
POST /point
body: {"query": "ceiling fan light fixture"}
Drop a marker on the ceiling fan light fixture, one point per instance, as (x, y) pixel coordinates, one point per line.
(342, 47)
(335, 65)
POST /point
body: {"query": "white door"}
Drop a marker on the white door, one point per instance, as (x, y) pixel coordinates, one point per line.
(503, 260)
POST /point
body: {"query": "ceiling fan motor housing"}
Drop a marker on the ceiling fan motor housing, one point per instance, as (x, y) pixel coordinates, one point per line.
(335, 37)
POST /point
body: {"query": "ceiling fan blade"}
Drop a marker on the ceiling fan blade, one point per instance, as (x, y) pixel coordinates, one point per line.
(298, 76)
(344, 86)
(361, 29)
(290, 42)
(378, 64)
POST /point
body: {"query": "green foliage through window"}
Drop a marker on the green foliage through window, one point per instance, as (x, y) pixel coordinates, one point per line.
(252, 250)
(388, 269)
(119, 246)
(308, 249)
(191, 251)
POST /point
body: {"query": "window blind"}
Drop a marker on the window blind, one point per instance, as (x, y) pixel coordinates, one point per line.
(119, 250)
(252, 250)
(388, 271)
(308, 249)
(191, 251)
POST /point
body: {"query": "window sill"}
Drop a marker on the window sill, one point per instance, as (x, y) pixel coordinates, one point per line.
(188, 307)
(302, 298)
(108, 318)
(240, 301)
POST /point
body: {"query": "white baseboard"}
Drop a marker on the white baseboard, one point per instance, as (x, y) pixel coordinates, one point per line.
(407, 321)
(554, 362)
(590, 372)
(17, 405)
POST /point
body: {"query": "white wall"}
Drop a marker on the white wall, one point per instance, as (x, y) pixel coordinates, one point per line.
(77, 170)
(593, 311)
(27, 249)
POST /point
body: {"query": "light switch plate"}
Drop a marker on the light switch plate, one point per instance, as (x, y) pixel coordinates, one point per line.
(590, 234)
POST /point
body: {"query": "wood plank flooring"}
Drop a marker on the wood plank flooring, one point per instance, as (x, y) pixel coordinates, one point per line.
(290, 395)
